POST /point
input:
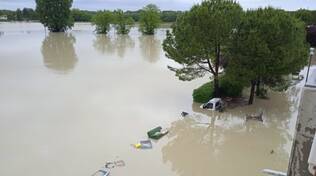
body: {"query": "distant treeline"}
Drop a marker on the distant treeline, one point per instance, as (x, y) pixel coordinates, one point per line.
(28, 14)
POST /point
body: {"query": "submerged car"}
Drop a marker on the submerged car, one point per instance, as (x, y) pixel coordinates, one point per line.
(215, 104)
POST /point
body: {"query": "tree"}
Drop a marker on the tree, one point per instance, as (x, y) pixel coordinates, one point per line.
(149, 19)
(268, 44)
(29, 14)
(170, 16)
(102, 20)
(81, 15)
(19, 15)
(306, 16)
(134, 14)
(199, 38)
(55, 14)
(122, 22)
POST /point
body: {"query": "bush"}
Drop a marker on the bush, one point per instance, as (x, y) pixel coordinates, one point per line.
(122, 22)
(149, 19)
(230, 88)
(204, 93)
(102, 21)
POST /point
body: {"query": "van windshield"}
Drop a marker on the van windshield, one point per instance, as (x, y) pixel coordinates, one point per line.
(208, 106)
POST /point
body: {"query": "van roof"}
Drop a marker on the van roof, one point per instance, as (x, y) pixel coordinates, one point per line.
(214, 100)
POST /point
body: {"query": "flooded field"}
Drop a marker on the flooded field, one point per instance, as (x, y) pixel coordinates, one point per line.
(70, 102)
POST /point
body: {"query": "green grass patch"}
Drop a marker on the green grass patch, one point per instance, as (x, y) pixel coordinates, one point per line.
(228, 88)
(204, 93)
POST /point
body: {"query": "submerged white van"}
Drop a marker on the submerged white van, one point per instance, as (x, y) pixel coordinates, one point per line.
(214, 104)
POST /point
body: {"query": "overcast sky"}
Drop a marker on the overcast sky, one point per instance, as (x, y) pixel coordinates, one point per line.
(163, 4)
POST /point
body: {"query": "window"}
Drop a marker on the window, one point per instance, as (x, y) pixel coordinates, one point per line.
(208, 106)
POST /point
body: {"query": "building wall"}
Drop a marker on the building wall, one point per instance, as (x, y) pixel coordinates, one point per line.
(305, 131)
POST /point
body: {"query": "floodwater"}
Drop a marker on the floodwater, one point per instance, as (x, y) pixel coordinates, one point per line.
(69, 102)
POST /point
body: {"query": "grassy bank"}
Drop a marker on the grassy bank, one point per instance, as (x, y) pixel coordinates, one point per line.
(228, 88)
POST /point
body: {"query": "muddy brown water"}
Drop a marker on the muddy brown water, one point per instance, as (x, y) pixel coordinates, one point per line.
(70, 102)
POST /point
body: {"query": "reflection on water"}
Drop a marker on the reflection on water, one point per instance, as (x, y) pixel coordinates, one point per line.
(228, 145)
(109, 45)
(122, 42)
(239, 150)
(103, 44)
(150, 48)
(59, 53)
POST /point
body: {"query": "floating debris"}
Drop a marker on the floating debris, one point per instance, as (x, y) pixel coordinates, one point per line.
(273, 173)
(109, 165)
(101, 172)
(255, 117)
(157, 133)
(119, 163)
(112, 165)
(184, 114)
(143, 145)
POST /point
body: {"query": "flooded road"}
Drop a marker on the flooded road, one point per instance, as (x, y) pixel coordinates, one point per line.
(70, 102)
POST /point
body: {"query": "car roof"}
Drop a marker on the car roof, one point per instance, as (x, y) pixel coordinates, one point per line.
(214, 100)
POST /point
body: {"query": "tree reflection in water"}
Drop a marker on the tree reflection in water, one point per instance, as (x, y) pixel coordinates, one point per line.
(150, 48)
(103, 44)
(109, 45)
(59, 53)
(229, 145)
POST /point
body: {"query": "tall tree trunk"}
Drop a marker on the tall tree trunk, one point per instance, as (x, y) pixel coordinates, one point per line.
(216, 87)
(216, 78)
(258, 87)
(252, 92)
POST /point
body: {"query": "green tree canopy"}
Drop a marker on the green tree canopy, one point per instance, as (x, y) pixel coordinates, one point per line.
(19, 15)
(122, 22)
(81, 15)
(200, 37)
(149, 19)
(306, 15)
(102, 20)
(29, 14)
(170, 16)
(55, 14)
(268, 43)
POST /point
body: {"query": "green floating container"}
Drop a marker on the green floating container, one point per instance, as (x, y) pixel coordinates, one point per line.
(156, 133)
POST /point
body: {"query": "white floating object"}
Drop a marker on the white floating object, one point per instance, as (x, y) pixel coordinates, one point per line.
(273, 173)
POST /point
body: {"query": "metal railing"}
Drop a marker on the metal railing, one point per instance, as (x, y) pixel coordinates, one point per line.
(310, 77)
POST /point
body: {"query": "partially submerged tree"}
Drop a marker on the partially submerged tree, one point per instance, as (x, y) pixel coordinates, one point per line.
(19, 15)
(81, 15)
(199, 39)
(55, 14)
(149, 19)
(268, 44)
(122, 22)
(102, 20)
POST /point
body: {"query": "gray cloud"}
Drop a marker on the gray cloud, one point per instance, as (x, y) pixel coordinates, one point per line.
(163, 4)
